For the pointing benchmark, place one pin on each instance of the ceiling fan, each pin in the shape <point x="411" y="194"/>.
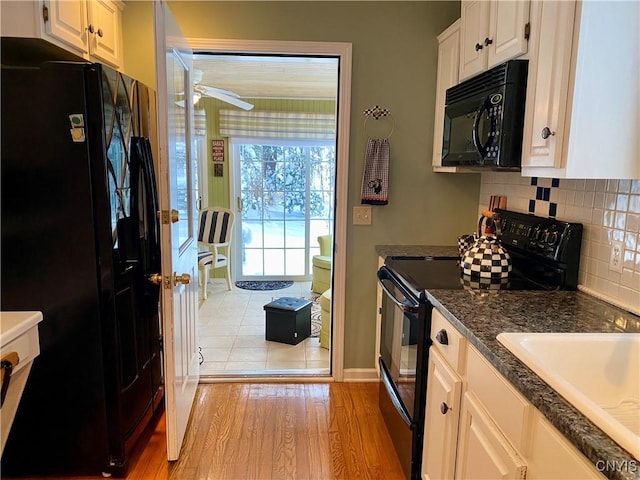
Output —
<point x="219" y="93"/>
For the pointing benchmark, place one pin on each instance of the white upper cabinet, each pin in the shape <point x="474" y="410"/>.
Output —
<point x="447" y="76"/>
<point x="67" y="21"/>
<point x="491" y="33"/>
<point x="105" y="43"/>
<point x="90" y="29"/>
<point x="583" y="110"/>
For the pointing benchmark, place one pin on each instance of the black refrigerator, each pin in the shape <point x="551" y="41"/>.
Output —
<point x="80" y="238"/>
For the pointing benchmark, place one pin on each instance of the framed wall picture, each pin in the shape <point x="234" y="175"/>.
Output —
<point x="217" y="150"/>
<point x="217" y="170"/>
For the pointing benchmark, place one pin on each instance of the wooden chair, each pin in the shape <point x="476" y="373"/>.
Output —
<point x="215" y="227"/>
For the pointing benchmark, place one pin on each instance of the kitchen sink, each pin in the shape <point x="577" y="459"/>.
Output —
<point x="598" y="373"/>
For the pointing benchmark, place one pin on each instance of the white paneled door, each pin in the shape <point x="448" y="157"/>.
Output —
<point x="178" y="205"/>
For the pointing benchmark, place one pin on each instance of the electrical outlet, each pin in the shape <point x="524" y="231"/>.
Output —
<point x="616" y="256"/>
<point x="362" y="215"/>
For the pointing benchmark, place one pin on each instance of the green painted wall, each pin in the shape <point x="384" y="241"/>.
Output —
<point x="394" y="66"/>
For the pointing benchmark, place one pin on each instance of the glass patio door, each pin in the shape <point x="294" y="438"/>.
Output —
<point x="285" y="200"/>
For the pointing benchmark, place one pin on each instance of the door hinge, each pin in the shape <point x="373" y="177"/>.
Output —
<point x="45" y="13"/>
<point x="527" y="31"/>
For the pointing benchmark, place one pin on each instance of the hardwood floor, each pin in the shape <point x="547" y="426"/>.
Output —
<point x="295" y="431"/>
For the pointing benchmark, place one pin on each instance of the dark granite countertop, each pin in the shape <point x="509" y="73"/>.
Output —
<point x="481" y="318"/>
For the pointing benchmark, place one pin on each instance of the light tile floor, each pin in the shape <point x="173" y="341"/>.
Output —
<point x="232" y="330"/>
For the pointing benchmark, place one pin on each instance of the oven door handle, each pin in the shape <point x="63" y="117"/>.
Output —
<point x="383" y="275"/>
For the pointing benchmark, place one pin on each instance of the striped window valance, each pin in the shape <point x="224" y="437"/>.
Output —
<point x="199" y="122"/>
<point x="310" y="126"/>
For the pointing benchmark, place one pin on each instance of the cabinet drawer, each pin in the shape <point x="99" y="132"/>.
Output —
<point x="510" y="411"/>
<point x="447" y="340"/>
<point x="27" y="347"/>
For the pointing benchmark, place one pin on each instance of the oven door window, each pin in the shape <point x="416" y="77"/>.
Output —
<point x="399" y="342"/>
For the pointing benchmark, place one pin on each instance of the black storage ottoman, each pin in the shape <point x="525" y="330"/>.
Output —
<point x="288" y="320"/>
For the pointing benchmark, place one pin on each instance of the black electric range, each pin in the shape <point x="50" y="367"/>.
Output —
<point x="545" y="256"/>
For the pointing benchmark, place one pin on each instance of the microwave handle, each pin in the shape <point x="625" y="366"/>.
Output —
<point x="481" y="148"/>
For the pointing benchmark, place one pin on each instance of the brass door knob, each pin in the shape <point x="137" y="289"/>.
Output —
<point x="184" y="279"/>
<point x="155" y="278"/>
<point x="174" y="215"/>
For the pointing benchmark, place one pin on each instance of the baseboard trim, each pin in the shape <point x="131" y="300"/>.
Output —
<point x="360" y="375"/>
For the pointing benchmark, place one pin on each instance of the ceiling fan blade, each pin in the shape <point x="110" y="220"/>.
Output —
<point x="224" y="95"/>
<point x="210" y="91"/>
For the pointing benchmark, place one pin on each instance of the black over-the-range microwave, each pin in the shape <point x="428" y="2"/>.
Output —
<point x="484" y="118"/>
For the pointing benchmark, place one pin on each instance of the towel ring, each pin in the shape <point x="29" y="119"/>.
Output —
<point x="376" y="113"/>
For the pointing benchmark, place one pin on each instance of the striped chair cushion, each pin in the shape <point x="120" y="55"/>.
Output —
<point x="214" y="227"/>
<point x="206" y="258"/>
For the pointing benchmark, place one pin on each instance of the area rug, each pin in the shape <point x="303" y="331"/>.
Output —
<point x="263" y="285"/>
<point x="316" y="322"/>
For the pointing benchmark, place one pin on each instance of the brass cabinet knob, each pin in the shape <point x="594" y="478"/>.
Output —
<point x="184" y="279"/>
<point x="155" y="278"/>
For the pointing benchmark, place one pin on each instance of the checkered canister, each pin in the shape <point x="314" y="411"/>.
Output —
<point x="487" y="260"/>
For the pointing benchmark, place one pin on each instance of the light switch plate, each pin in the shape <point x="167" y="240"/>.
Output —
<point x="362" y="215"/>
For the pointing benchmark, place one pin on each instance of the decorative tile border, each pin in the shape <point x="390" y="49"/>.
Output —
<point x="608" y="209"/>
<point x="543" y="194"/>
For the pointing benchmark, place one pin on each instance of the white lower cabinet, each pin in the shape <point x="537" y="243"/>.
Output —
<point x="483" y="452"/>
<point x="478" y="426"/>
<point x="442" y="412"/>
<point x="553" y="456"/>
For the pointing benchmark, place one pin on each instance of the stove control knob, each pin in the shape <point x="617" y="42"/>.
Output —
<point x="536" y="234"/>
<point x="553" y="238"/>
<point x="545" y="236"/>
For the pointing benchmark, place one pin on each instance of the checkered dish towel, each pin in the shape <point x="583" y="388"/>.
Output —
<point x="375" y="178"/>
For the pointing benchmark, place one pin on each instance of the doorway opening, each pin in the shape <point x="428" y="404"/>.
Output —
<point x="282" y="184"/>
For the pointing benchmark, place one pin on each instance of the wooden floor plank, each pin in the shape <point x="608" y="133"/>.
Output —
<point x="241" y="431"/>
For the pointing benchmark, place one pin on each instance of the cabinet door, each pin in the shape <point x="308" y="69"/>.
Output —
<point x="553" y="456"/>
<point x="474" y="18"/>
<point x="483" y="452"/>
<point x="548" y="83"/>
<point x="67" y="22"/>
<point x="507" y="23"/>
<point x="105" y="41"/>
<point x="444" y="388"/>
<point x="448" y="64"/>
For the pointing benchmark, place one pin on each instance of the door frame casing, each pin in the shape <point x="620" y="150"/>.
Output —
<point x="342" y="51"/>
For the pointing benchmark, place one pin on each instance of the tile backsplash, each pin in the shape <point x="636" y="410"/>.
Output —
<point x="609" y="211"/>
